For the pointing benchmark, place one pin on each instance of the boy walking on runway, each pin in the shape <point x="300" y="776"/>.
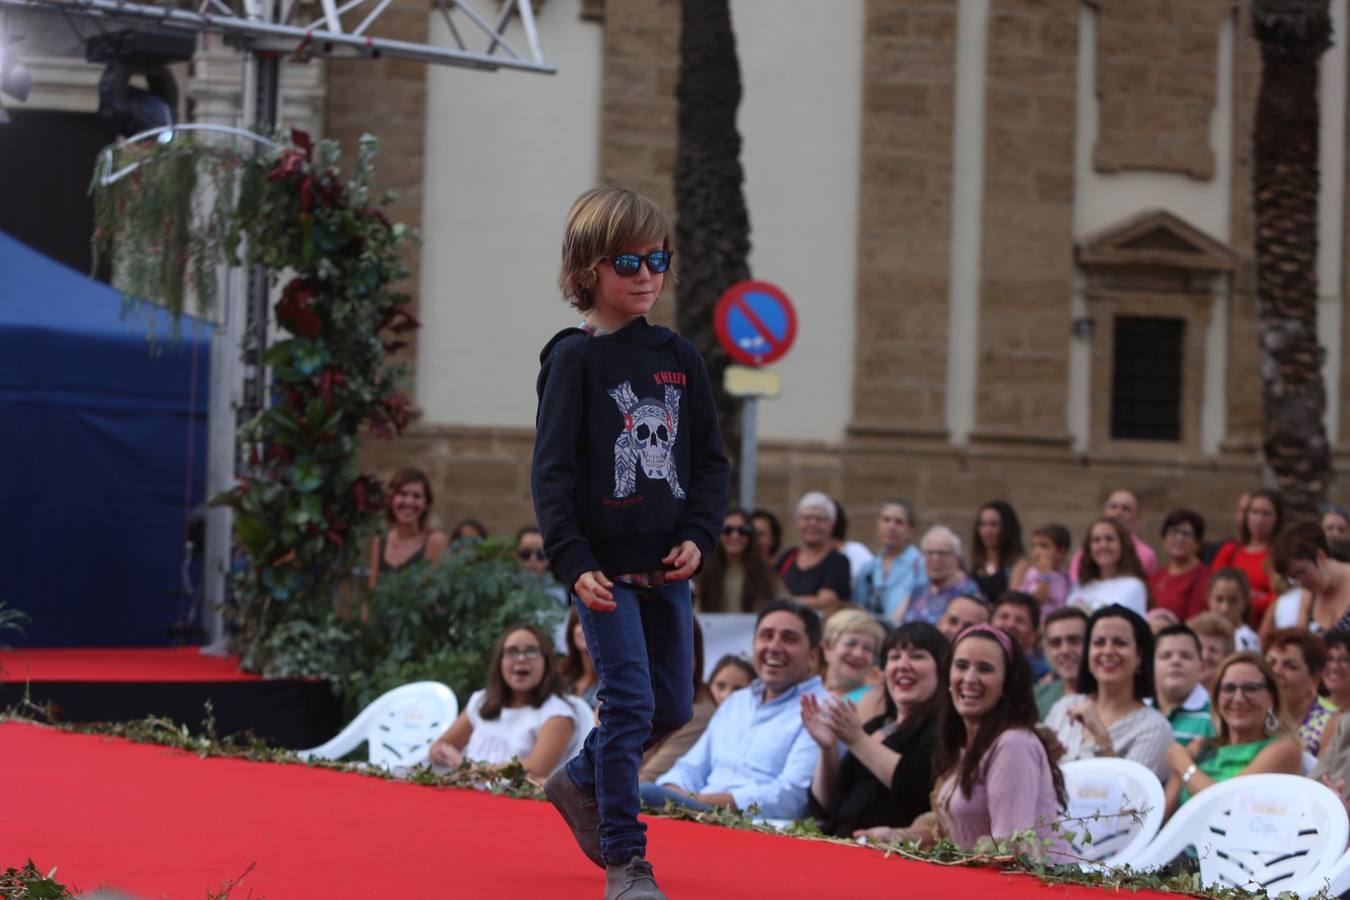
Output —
<point x="629" y="482"/>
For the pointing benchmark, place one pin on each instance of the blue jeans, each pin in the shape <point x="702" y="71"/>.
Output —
<point x="654" y="796"/>
<point x="643" y="651"/>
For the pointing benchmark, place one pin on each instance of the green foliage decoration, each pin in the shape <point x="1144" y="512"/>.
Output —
<point x="431" y="621"/>
<point x="28" y="883"/>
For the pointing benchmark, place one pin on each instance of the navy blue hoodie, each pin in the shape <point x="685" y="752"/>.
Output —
<point x="628" y="457"/>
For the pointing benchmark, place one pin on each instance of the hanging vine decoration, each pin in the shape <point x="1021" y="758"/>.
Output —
<point x="302" y="505"/>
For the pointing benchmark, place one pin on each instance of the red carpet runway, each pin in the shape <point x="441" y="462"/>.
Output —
<point x="162" y="823"/>
<point x="119" y="665"/>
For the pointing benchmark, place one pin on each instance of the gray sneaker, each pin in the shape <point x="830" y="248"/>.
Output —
<point x="579" y="810"/>
<point x="632" y="882"/>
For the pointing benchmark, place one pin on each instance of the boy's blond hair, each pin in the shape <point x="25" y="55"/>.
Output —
<point x="603" y="221"/>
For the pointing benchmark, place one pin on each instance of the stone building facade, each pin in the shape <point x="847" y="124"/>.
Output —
<point x="999" y="220"/>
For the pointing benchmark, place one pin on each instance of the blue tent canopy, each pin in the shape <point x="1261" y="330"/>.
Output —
<point x="96" y="419"/>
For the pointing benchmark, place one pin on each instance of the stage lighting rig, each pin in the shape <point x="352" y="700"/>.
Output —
<point x="144" y="51"/>
<point x="15" y="79"/>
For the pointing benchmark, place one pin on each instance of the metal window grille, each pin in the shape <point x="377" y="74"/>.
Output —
<point x="1146" y="379"/>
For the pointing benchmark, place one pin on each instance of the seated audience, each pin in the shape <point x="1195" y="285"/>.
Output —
<point x="1216" y="644"/>
<point x="995" y="777"/>
<point x="886" y="582"/>
<point x="815" y="574"/>
<point x="520" y="714"/>
<point x="530" y="552"/>
<point x="729" y="675"/>
<point x="1333" y="763"/>
<point x="1160" y="617"/>
<point x="407" y="537"/>
<point x="855" y="552"/>
<point x="756" y="751"/>
<point x="1303" y="555"/>
<point x="1261" y="524"/>
<point x="576" y="670"/>
<point x="1176" y="678"/>
<point x="1123" y="506"/>
<point x="1020" y="616"/>
<point x="1180" y="584"/>
<point x="1252" y="735"/>
<point x="768" y="532"/>
<point x="1045" y="578"/>
<point x="962" y="613"/>
<point x="885" y="777"/>
<point x="997" y="557"/>
<point x="947" y="579"/>
<point x="851" y="642"/>
<point x="1108" y="716"/>
<point x="1064" y="634"/>
<point x="1335" y="522"/>
<point x="1297" y="657"/>
<point x="736" y="577"/>
<point x="1109" y="573"/>
<point x="1336" y="671"/>
<point x="1212" y="548"/>
<point x="468" y="529"/>
<point x="658" y="759"/>
<point x="1230" y="596"/>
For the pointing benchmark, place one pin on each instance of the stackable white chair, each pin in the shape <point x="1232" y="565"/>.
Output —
<point x="398" y="727"/>
<point x="1335" y="881"/>
<point x="1309" y="815"/>
<point x="1119" y="834"/>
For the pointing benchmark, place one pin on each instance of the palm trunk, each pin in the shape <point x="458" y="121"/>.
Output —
<point x="712" y="234"/>
<point x="1293" y="35"/>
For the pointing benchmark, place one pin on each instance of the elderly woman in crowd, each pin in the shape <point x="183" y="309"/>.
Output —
<point x="736" y="577"/>
<point x="886" y="582"/>
<point x="998" y="559"/>
<point x="1297" y="657"/>
<point x="851" y="641"/>
<point x="1253" y="736"/>
<point x="1260" y="528"/>
<point x="995" y="777"/>
<point x="1180" y="584"/>
<point x="1110" y="573"/>
<point x="816" y="574"/>
<point x="1108" y="716"/>
<point x="884" y="780"/>
<point x="408" y="536"/>
<point x="947" y="579"/>
<point x="1336" y="671"/>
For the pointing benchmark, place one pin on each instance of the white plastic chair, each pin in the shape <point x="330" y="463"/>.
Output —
<point x="1335" y="881"/>
<point x="399" y="726"/>
<point x="1209" y="822"/>
<point x="1126" y="785"/>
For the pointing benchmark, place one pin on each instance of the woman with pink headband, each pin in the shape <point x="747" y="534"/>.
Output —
<point x="995" y="775"/>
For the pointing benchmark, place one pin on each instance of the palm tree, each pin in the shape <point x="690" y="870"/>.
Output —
<point x="1293" y="34"/>
<point x="712" y="232"/>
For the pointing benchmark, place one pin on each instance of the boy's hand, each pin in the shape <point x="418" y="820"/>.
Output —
<point x="683" y="561"/>
<point x="593" y="589"/>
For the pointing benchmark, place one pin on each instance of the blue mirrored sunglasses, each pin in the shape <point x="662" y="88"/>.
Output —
<point x="627" y="264"/>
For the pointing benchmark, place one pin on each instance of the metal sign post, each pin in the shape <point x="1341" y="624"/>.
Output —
<point x="756" y="324"/>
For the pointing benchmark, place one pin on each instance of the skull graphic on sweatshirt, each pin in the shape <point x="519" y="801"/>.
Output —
<point x="648" y="439"/>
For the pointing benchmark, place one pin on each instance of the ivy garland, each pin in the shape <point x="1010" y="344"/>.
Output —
<point x="301" y="507"/>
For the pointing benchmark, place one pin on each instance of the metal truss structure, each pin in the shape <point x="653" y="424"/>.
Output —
<point x="349" y="30"/>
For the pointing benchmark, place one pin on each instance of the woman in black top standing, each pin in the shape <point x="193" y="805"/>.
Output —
<point x="408" y="537"/>
<point x="815" y="574"/>
<point x="998" y="559"/>
<point x="886" y="778"/>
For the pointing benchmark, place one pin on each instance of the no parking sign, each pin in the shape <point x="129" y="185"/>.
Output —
<point x="755" y="322"/>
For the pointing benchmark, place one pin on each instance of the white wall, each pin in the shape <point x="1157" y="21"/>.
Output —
<point x="506" y="154"/>
<point x="800" y="118"/>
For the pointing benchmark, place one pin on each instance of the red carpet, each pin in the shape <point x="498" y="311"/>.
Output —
<point x="121" y="664"/>
<point x="161" y="823"/>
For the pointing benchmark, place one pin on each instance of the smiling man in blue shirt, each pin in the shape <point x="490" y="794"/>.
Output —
<point x="756" y="751"/>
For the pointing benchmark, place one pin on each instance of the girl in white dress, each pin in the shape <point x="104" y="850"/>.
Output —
<point x="520" y="714"/>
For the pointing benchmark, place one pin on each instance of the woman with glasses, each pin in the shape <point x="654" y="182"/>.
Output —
<point x="530" y="553"/>
<point x="519" y="714"/>
<point x="408" y="537"/>
<point x="1336" y="672"/>
<point x="850" y="643"/>
<point x="1180" y="585"/>
<point x="1253" y="736"/>
<point x="947" y="579"/>
<point x="736" y="577"/>
<point x="1303" y="555"/>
